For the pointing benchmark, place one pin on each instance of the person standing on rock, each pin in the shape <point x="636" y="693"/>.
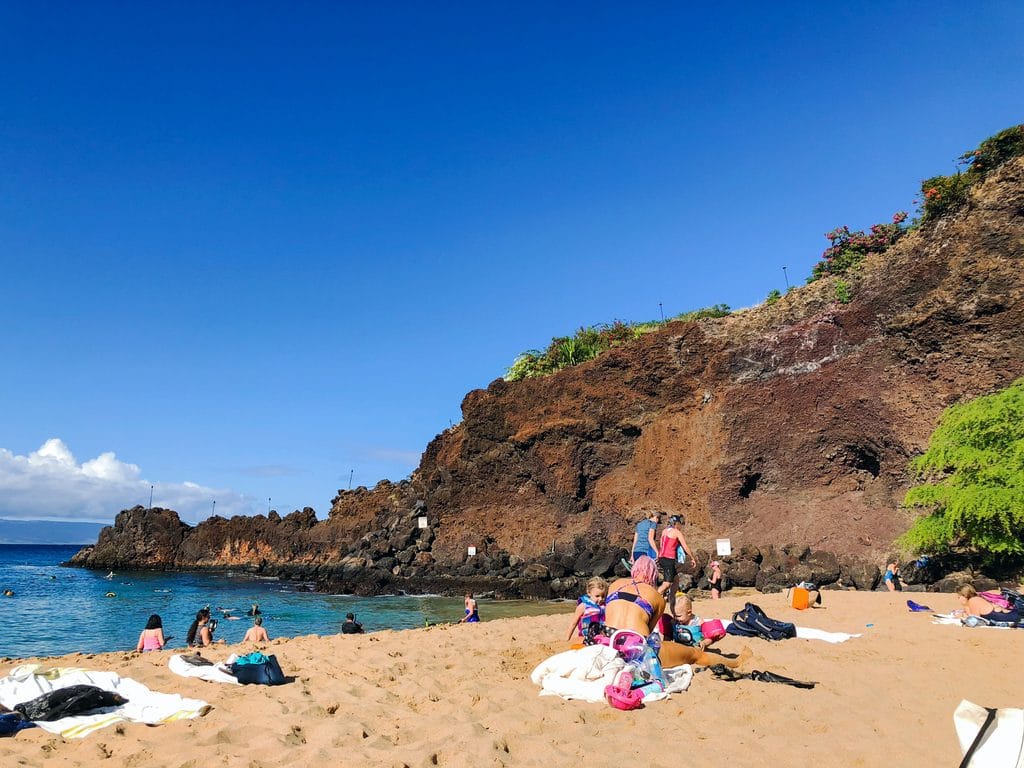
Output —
<point x="643" y="537"/>
<point x="672" y="540"/>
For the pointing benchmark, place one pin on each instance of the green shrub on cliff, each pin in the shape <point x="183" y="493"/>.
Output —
<point x="973" y="473"/>
<point x="588" y="343"/>
<point x="944" y="194"/>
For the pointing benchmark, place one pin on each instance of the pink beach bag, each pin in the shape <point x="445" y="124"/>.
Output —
<point x="713" y="629"/>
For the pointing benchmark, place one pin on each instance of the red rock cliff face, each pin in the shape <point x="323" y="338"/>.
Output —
<point x="785" y="423"/>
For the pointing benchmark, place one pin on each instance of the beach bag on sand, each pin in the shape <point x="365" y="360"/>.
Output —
<point x="257" y="669"/>
<point x="12" y="722"/>
<point x="989" y="738"/>
<point x="751" y="621"/>
<point x="69" y="701"/>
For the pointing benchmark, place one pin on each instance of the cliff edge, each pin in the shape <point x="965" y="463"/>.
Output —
<point x="789" y="422"/>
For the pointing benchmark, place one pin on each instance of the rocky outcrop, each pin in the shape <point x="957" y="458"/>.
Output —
<point x="790" y="422"/>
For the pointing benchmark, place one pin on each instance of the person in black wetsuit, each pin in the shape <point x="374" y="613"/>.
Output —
<point x="350" y="626"/>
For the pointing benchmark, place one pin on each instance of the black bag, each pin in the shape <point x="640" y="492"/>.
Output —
<point x="751" y="621"/>
<point x="1015" y="599"/>
<point x="68" y="702"/>
<point x="267" y="673"/>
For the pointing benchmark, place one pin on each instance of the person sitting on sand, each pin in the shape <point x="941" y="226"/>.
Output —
<point x="975" y="605"/>
<point x="892" y="577"/>
<point x="152" y="637"/>
<point x="635" y="604"/>
<point x="256" y="633"/>
<point x="472" y="614"/>
<point x="589" y="608"/>
<point x="350" y="626"/>
<point x="200" y="634"/>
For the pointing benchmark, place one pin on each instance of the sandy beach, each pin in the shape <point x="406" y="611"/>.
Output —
<point x="461" y="696"/>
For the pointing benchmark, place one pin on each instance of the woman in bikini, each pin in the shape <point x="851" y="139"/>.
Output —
<point x="635" y="604"/>
<point x="974" y="604"/>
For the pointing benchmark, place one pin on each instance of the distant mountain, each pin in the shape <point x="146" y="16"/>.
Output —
<point x="47" y="532"/>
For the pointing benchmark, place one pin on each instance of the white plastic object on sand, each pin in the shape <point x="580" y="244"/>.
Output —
<point x="1001" y="743"/>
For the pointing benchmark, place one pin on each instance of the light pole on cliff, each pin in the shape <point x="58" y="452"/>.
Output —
<point x="268" y="505"/>
<point x="785" y="276"/>
<point x="350" y="473"/>
<point x="151" y="497"/>
<point x="661" y="311"/>
<point x="213" y="512"/>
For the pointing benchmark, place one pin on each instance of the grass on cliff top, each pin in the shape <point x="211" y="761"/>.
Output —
<point x="588" y="343"/>
<point x="940" y="195"/>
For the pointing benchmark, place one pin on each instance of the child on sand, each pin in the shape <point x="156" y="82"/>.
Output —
<point x="715" y="580"/>
<point x="589" y="608"/>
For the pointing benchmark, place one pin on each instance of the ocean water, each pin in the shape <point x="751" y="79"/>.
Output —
<point x="58" y="610"/>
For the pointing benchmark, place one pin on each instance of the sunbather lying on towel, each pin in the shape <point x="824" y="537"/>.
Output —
<point x="972" y="604"/>
<point x="635" y="604"/>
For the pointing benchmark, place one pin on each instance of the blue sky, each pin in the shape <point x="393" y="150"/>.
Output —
<point x="255" y="248"/>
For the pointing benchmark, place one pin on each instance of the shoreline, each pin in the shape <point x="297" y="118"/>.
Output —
<point x="460" y="695"/>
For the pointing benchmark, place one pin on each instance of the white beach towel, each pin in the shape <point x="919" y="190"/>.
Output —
<point x="810" y="633"/>
<point x="1002" y="743"/>
<point x="583" y="673"/>
<point x="215" y="673"/>
<point x="28" y="681"/>
<point x="578" y="674"/>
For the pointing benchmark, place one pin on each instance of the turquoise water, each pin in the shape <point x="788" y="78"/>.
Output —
<point x="63" y="610"/>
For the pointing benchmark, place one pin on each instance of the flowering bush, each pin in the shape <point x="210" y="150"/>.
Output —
<point x="849" y="249"/>
<point x="942" y="194"/>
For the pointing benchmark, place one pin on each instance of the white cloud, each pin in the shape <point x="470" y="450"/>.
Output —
<point x="50" y="484"/>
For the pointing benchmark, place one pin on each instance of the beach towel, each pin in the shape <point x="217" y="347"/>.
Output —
<point x="989" y="738"/>
<point x="30" y="681"/>
<point x="583" y="675"/>
<point x="578" y="674"/>
<point x="810" y="633"/>
<point x="213" y="673"/>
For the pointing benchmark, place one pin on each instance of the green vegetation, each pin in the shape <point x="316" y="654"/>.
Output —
<point x="973" y="480"/>
<point x="944" y="194"/>
<point x="842" y="292"/>
<point x="773" y="296"/>
<point x="588" y="343"/>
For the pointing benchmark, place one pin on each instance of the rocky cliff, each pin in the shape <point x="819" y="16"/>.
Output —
<point x="785" y="423"/>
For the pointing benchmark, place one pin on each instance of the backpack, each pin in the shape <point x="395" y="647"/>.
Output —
<point x="1015" y="599"/>
<point x="751" y="621"/>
